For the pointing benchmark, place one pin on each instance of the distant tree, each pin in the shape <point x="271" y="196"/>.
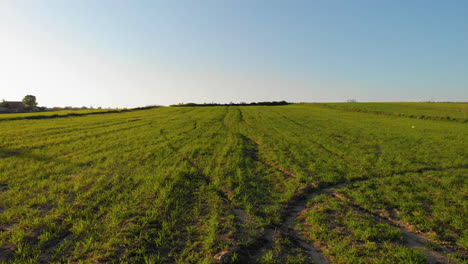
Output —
<point x="30" y="101"/>
<point x="351" y="101"/>
<point x="3" y="103"/>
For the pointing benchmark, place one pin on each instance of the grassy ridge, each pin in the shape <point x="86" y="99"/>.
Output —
<point x="183" y="184"/>
<point x="5" y="116"/>
<point x="436" y="111"/>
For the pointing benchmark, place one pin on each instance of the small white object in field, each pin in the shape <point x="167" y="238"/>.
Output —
<point x="412" y="126"/>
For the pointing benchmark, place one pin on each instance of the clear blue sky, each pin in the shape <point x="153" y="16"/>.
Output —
<point x="135" y="53"/>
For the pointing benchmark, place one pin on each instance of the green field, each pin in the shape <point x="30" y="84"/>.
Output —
<point x="302" y="183"/>
<point x="437" y="111"/>
<point x="4" y="116"/>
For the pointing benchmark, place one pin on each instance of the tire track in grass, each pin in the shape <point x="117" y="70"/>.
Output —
<point x="298" y="203"/>
<point x="286" y="227"/>
<point x="247" y="253"/>
<point x="345" y="160"/>
<point x="271" y="165"/>
<point x="64" y="235"/>
<point x="411" y="239"/>
<point x="225" y="255"/>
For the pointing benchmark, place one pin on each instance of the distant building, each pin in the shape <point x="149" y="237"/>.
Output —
<point x="13" y="107"/>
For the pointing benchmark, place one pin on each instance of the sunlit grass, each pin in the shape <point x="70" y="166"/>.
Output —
<point x="160" y="185"/>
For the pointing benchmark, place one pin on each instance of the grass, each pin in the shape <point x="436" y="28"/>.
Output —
<point x="433" y="202"/>
<point x="436" y="111"/>
<point x="348" y="235"/>
<point x="161" y="185"/>
<point x="54" y="113"/>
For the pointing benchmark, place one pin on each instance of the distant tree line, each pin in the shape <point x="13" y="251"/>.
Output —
<point x="272" y="103"/>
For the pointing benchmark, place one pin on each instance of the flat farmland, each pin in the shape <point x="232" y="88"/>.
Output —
<point x="427" y="110"/>
<point x="302" y="183"/>
<point x="54" y="114"/>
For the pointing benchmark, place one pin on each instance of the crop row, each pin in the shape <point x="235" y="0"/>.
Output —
<point x="187" y="184"/>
